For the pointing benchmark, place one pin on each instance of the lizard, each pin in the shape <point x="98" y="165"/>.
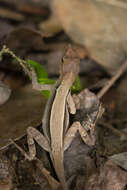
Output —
<point x="54" y="119"/>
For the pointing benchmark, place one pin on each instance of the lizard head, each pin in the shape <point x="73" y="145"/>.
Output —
<point x="70" y="63"/>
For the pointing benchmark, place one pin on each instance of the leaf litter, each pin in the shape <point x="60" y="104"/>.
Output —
<point x="102" y="166"/>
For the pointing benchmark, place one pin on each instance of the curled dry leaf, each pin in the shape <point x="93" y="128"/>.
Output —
<point x="87" y="105"/>
<point x="78" y="162"/>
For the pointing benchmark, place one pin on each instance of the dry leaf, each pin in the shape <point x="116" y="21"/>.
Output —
<point x="99" y="26"/>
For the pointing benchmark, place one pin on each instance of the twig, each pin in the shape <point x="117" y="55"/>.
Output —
<point x="6" y="13"/>
<point x="121" y="134"/>
<point x="112" y="80"/>
<point x="22" y="62"/>
<point x="118" y="120"/>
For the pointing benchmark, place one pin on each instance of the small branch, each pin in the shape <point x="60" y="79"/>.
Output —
<point x="112" y="80"/>
<point x="115" y="121"/>
<point x="6" y="13"/>
<point x="22" y="62"/>
<point x="117" y="132"/>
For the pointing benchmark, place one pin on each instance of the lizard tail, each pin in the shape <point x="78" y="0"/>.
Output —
<point x="59" y="168"/>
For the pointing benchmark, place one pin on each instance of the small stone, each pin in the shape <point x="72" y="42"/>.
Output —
<point x="5" y="93"/>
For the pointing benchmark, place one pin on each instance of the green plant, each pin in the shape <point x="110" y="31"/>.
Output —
<point x="42" y="74"/>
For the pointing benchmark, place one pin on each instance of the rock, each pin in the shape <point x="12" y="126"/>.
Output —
<point x="5" y="93"/>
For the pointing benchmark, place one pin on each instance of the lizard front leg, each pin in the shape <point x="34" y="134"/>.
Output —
<point x="89" y="110"/>
<point x="71" y="104"/>
<point x="38" y="86"/>
<point x="77" y="127"/>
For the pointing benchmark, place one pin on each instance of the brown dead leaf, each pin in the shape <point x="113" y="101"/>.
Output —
<point x="22" y="40"/>
<point x="110" y="176"/>
<point x="99" y="26"/>
<point x="78" y="162"/>
<point x="120" y="159"/>
<point x="23" y="109"/>
<point x="5" y="28"/>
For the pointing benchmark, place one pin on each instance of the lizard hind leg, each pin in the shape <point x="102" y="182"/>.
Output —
<point x="34" y="134"/>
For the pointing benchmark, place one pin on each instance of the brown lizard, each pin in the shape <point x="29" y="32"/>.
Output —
<point x="54" y="119"/>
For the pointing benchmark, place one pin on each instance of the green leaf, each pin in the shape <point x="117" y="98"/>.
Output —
<point x="42" y="76"/>
<point x="40" y="70"/>
<point x="46" y="93"/>
<point x="77" y="86"/>
<point x="46" y="81"/>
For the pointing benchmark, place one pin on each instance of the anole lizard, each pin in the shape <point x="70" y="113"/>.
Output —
<point x="53" y="122"/>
